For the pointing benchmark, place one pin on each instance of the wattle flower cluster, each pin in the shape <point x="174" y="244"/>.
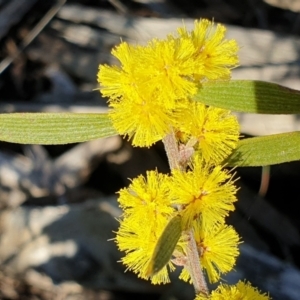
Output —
<point x="150" y="203"/>
<point x="151" y="91"/>
<point x="151" y="96"/>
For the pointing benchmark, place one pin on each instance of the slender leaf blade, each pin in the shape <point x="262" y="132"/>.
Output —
<point x="250" y="96"/>
<point x="165" y="245"/>
<point x="266" y="150"/>
<point x="54" y="128"/>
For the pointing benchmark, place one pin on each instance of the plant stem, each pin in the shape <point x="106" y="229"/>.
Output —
<point x="194" y="266"/>
<point x="193" y="261"/>
<point x="172" y="150"/>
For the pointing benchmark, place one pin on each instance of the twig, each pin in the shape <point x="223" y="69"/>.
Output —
<point x="32" y="35"/>
<point x="193" y="261"/>
<point x="119" y="6"/>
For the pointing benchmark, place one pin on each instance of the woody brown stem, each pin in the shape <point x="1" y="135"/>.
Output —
<point x="172" y="150"/>
<point x="193" y="261"/>
<point x="194" y="266"/>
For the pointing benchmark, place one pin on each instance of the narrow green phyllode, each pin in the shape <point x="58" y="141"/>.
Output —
<point x="266" y="150"/>
<point x="54" y="128"/>
<point x="250" y="96"/>
<point x="165" y="246"/>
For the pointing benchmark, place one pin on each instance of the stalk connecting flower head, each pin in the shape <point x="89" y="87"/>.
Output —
<point x="155" y="80"/>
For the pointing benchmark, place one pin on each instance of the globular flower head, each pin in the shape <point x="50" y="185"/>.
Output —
<point x="215" y="131"/>
<point x="119" y="82"/>
<point x="170" y="66"/>
<point x="138" y="239"/>
<point x="215" y="55"/>
<point x="142" y="120"/>
<point x="205" y="192"/>
<point x="148" y="87"/>
<point x="147" y="211"/>
<point x="218" y="250"/>
<point x="147" y="197"/>
<point x="242" y="290"/>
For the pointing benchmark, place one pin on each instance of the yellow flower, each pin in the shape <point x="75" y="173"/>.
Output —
<point x="143" y="94"/>
<point x="241" y="290"/>
<point x="143" y="120"/>
<point x="118" y="82"/>
<point x="204" y="192"/>
<point x="170" y="66"/>
<point x="147" y="197"/>
<point x="152" y="80"/>
<point x="214" y="131"/>
<point x="138" y="239"/>
<point x="147" y="211"/>
<point x="216" y="55"/>
<point x="162" y="68"/>
<point x="218" y="250"/>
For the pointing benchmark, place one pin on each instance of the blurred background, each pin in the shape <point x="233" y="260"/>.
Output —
<point x="58" y="204"/>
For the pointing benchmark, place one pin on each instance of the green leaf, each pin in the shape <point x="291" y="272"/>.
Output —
<point x="250" y="96"/>
<point x="266" y="150"/>
<point x="54" y="128"/>
<point x="165" y="246"/>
